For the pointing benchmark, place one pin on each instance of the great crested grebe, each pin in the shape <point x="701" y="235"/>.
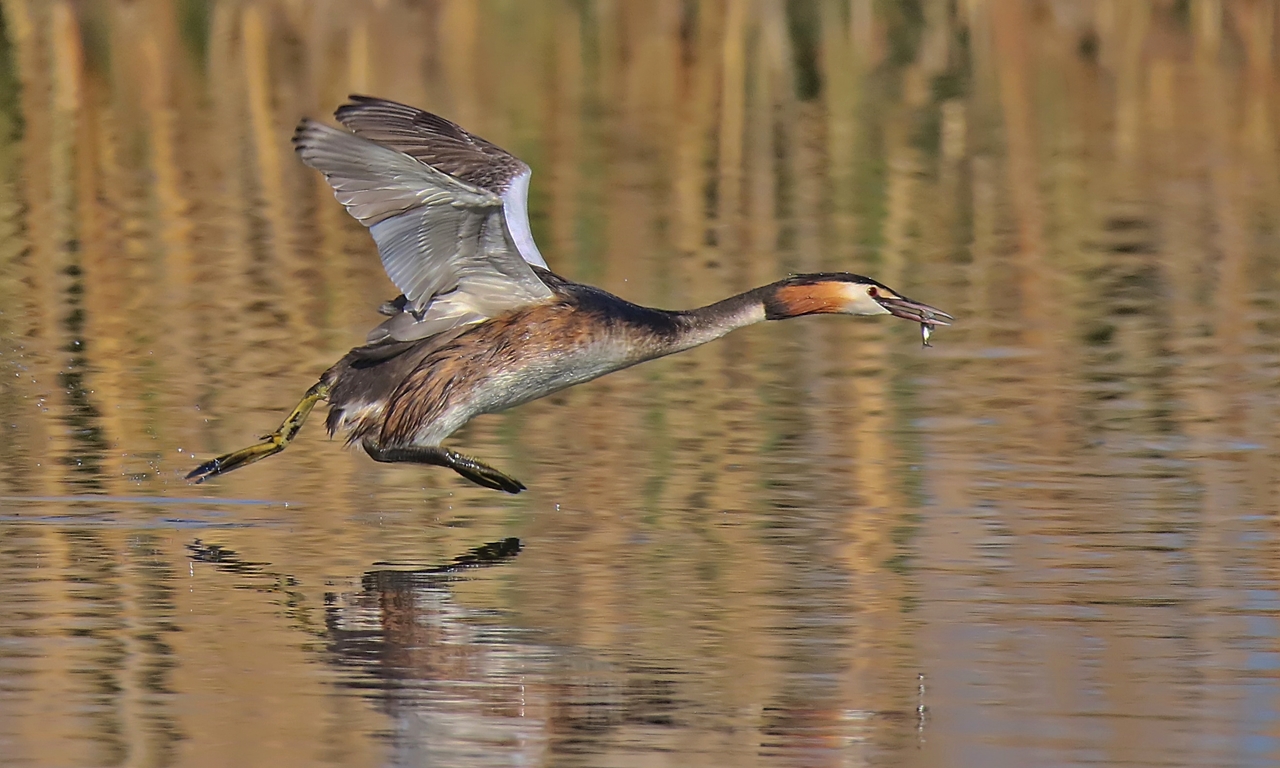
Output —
<point x="482" y="325"/>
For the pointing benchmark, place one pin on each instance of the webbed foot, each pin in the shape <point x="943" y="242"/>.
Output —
<point x="476" y="471"/>
<point x="271" y="444"/>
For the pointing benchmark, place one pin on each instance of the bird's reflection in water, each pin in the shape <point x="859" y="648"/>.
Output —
<point x="453" y="679"/>
<point x="461" y="685"/>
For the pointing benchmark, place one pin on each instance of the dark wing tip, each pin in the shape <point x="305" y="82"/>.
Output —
<point x="305" y="135"/>
<point x="357" y="101"/>
<point x="300" y="130"/>
<point x="364" y="113"/>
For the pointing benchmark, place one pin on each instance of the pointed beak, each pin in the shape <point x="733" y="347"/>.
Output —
<point x="914" y="311"/>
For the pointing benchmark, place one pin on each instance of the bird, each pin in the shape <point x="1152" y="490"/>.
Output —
<point x="481" y="323"/>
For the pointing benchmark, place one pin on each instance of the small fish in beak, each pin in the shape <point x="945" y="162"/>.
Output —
<point x="928" y="317"/>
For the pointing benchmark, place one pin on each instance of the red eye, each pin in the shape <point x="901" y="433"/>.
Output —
<point x="872" y="292"/>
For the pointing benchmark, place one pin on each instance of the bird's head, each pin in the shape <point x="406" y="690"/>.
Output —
<point x="846" y="294"/>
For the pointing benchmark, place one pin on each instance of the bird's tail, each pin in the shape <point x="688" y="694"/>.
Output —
<point x="271" y="444"/>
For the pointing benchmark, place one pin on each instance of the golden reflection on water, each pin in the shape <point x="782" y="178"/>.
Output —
<point x="1061" y="515"/>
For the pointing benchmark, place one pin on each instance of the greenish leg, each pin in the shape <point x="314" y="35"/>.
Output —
<point x="475" y="471"/>
<point x="271" y="444"/>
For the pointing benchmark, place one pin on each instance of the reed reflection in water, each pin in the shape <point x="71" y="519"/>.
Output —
<point x="1062" y="515"/>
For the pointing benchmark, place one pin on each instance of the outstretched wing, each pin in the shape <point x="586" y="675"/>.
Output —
<point x="445" y="146"/>
<point x="443" y="241"/>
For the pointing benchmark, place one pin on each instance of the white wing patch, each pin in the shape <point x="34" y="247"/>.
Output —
<point x="515" y="205"/>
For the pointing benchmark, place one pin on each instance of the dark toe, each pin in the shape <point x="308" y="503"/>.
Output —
<point x="491" y="478"/>
<point x="500" y="482"/>
<point x="205" y="471"/>
<point x="511" y="485"/>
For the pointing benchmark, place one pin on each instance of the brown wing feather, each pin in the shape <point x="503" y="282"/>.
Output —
<point x="433" y="140"/>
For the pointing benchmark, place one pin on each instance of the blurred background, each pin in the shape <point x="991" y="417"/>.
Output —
<point x="1048" y="540"/>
